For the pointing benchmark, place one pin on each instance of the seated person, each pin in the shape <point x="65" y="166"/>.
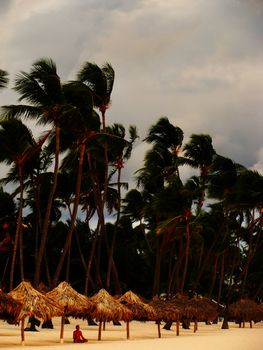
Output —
<point x="78" y="337"/>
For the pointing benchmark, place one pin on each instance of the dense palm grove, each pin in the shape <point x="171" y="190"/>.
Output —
<point x="70" y="217"/>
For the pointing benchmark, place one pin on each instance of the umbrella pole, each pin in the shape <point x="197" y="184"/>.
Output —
<point x="99" y="334"/>
<point x="159" y="329"/>
<point x="23" y="331"/>
<point x="177" y="327"/>
<point x="195" y="326"/>
<point x="128" y="329"/>
<point x="62" y="329"/>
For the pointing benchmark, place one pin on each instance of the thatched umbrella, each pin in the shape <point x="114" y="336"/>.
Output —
<point x="109" y="309"/>
<point x="73" y="303"/>
<point x="34" y="304"/>
<point x="245" y="310"/>
<point x="203" y="310"/>
<point x="165" y="311"/>
<point x="191" y="309"/>
<point x="140" y="310"/>
<point x="9" y="307"/>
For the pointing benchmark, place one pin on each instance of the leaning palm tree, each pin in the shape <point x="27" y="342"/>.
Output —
<point x="199" y="153"/>
<point x="78" y="131"/>
<point x="100" y="80"/>
<point x="120" y="152"/>
<point x="42" y="90"/>
<point x="17" y="146"/>
<point x="169" y="137"/>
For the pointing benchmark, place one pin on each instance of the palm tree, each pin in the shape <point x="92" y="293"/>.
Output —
<point x="18" y="147"/>
<point x="170" y="137"/>
<point x="42" y="89"/>
<point x="247" y="199"/>
<point x="199" y="152"/>
<point x="160" y="178"/>
<point x="100" y="80"/>
<point x="84" y="126"/>
<point x="120" y="153"/>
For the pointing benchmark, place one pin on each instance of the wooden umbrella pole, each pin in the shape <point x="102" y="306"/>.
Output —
<point x="159" y="329"/>
<point x="195" y="326"/>
<point x="128" y="329"/>
<point x="62" y="329"/>
<point x="99" y="334"/>
<point x="177" y="327"/>
<point x="23" y="331"/>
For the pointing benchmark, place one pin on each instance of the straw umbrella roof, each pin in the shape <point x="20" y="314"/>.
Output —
<point x="34" y="303"/>
<point x="246" y="310"/>
<point x="140" y="310"/>
<point x="109" y="309"/>
<point x="73" y="303"/>
<point x="189" y="308"/>
<point x="165" y="310"/>
<point x="208" y="307"/>
<point x="9" y="307"/>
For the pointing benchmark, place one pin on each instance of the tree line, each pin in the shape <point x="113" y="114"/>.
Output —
<point x="201" y="235"/>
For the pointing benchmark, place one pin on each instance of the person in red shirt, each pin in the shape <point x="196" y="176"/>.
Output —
<point x="78" y="336"/>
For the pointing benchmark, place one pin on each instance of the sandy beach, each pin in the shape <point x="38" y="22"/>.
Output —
<point x="143" y="336"/>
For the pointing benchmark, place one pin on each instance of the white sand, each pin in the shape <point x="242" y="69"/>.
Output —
<point x="143" y="336"/>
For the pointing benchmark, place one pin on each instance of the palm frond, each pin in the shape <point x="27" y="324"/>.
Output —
<point x="17" y="111"/>
<point x="3" y="78"/>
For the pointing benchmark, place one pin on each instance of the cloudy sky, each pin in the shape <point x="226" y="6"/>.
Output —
<point x="197" y="62"/>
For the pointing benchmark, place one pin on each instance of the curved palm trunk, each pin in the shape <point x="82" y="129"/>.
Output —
<point x="205" y="260"/>
<point x="222" y="275"/>
<point x="73" y="217"/>
<point x="213" y="277"/>
<point x="187" y="250"/>
<point x="175" y="283"/>
<point x="157" y="270"/>
<point x="110" y="261"/>
<point x="48" y="212"/>
<point x="85" y="266"/>
<point x="18" y="235"/>
<point x="91" y="257"/>
<point x="100" y="204"/>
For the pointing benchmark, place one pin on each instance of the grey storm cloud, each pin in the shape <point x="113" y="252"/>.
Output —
<point x="198" y="62"/>
<point x="4" y="5"/>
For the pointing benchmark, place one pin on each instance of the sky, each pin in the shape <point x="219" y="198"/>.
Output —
<point x="197" y="62"/>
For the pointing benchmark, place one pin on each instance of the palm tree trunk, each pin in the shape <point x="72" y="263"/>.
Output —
<point x="157" y="271"/>
<point x="91" y="257"/>
<point x="48" y="212"/>
<point x="222" y="276"/>
<point x="73" y="217"/>
<point x="110" y="260"/>
<point x="201" y="269"/>
<point x="83" y="260"/>
<point x="176" y="278"/>
<point x="187" y="250"/>
<point x="17" y="236"/>
<point x="214" y="277"/>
